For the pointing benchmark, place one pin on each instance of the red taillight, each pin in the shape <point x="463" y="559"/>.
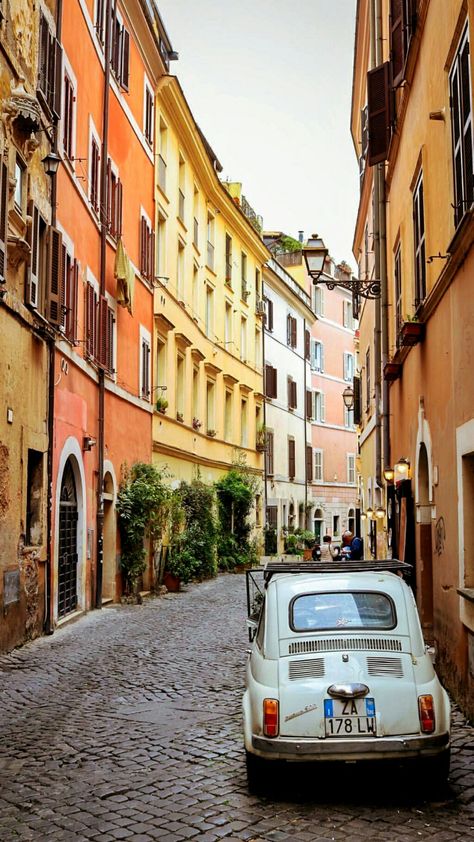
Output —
<point x="427" y="714"/>
<point x="270" y="717"/>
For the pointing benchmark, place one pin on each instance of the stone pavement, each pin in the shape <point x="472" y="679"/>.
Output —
<point x="126" y="725"/>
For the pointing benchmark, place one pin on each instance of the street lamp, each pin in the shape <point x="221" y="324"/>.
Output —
<point x="380" y="512"/>
<point x="389" y="474"/>
<point x="348" y="397"/>
<point x="315" y="254"/>
<point x="401" y="469"/>
<point x="51" y="163"/>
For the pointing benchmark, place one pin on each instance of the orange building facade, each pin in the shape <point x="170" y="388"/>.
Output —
<point x="104" y="241"/>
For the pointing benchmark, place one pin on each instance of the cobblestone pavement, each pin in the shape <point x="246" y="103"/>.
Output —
<point x="126" y="725"/>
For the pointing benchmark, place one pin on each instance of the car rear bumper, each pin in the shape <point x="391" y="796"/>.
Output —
<point x="375" y="748"/>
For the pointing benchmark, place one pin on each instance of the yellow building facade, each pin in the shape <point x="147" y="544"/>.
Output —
<point x="207" y="343"/>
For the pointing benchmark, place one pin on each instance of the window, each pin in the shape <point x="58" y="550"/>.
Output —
<point x="317" y="355"/>
<point x="291" y="331"/>
<point x="180" y="380"/>
<point x="292" y="394"/>
<point x="319" y="406"/>
<point x="49" y="69"/>
<point x="318" y="466"/>
<point x="309" y="463"/>
<point x="243" y="423"/>
<point x="228" y="415"/>
<point x="309" y="404"/>
<point x="348" y="367"/>
<point x="34" y="499"/>
<point x="335" y="524"/>
<point x="161" y="378"/>
<point x="163" y="140"/>
<point x="269" y="314"/>
<point x="397" y="272"/>
<point x="19" y="185"/>
<point x="161" y="246"/>
<point x="180" y="272"/>
<point x="148" y="107"/>
<point x="99" y="327"/>
<point x="145" y="351"/>
<point x="402" y="27"/>
<point x="269" y="453"/>
<point x="272" y="517"/>
<point x="147" y="249"/>
<point x="317" y="611"/>
<point x="69" y="100"/>
<point x="243" y="339"/>
<point x="181" y="186"/>
<point x="347" y="319"/>
<point x="94" y="175"/>
<point x="367" y="379"/>
<point x="461" y="124"/>
<point x="91" y="307"/>
<point x="71" y="285"/>
<point x="258" y="290"/>
<point x="209" y="311"/>
<point x="243" y="263"/>
<point x="196" y="217"/>
<point x="258" y="348"/>
<point x="114" y="202"/>
<point x="195" y="293"/>
<point x="120" y="52"/>
<point x="195" y="393"/>
<point x="351" y="476"/>
<point x="419" y="241"/>
<point x="210" y="241"/>
<point x="291" y="459"/>
<point x="99" y="20"/>
<point x="210" y="405"/>
<point x="228" y="325"/>
<point x="270" y="381"/>
<point x="318" y="300"/>
<point x="45" y="276"/>
<point x="228" y="260"/>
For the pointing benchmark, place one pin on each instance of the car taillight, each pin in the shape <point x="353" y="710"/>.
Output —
<point x="270" y="717"/>
<point x="427" y="714"/>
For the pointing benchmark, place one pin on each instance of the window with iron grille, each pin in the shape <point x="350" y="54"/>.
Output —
<point x="269" y="453"/>
<point x="419" y="241"/>
<point x="49" y="69"/>
<point x="95" y="175"/>
<point x="69" y="100"/>
<point x="147" y="249"/>
<point x="461" y="124"/>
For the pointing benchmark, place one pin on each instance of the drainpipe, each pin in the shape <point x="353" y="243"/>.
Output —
<point x="379" y="250"/>
<point x="305" y="432"/>
<point x="265" y="496"/>
<point x="103" y="268"/>
<point x="51" y="343"/>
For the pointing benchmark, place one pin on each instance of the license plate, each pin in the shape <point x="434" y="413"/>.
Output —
<point x="349" y="718"/>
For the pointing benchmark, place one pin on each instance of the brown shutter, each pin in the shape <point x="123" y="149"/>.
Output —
<point x="55" y="278"/>
<point x="118" y="209"/>
<point x="307" y="344"/>
<point x="269" y="454"/>
<point x="43" y="56"/>
<point x="357" y="400"/>
<point x="270" y="314"/>
<point x="143" y="227"/>
<point x="289" y="393"/>
<point x="72" y="290"/>
<point x="110" y="340"/>
<point x="397" y="40"/>
<point x="379" y="113"/>
<point x="270" y="381"/>
<point x="309" y="463"/>
<point x="288" y="330"/>
<point x="102" y="343"/>
<point x="32" y="297"/>
<point x="108" y="202"/>
<point x="125" y="62"/>
<point x="309" y="404"/>
<point x="58" y="78"/>
<point x="90" y="320"/>
<point x="294" y="401"/>
<point x="293" y="333"/>
<point x="291" y="458"/>
<point x="3" y="221"/>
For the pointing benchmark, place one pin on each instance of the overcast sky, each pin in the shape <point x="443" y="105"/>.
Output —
<point x="269" y="83"/>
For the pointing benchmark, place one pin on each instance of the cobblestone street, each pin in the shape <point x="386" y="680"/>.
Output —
<point x="126" y="725"/>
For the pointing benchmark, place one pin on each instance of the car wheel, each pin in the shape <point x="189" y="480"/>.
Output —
<point x="257" y="778"/>
<point x="438" y="767"/>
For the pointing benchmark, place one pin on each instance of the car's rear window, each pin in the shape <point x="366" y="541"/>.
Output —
<point x="342" y="610"/>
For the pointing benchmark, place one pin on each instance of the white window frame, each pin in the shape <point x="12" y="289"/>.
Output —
<point x="319" y="406"/>
<point x="348" y="367"/>
<point x="351" y="468"/>
<point x="93" y="135"/>
<point x="318" y="300"/>
<point x="145" y="337"/>
<point x="318" y="474"/>
<point x="67" y="68"/>
<point x="347" y="317"/>
<point x="147" y="87"/>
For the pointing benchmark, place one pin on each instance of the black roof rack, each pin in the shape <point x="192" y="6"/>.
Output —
<point x="340" y="566"/>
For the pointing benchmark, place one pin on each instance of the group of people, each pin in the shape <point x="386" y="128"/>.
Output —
<point x="352" y="548"/>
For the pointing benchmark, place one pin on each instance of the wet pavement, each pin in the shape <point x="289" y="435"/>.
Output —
<point x="126" y="724"/>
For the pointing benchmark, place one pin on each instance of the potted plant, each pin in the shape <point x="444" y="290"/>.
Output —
<point x="196" y="424"/>
<point x="261" y="438"/>
<point x="211" y="433"/>
<point x="309" y="540"/>
<point x="411" y="331"/>
<point x="179" y="416"/>
<point x="161" y="404"/>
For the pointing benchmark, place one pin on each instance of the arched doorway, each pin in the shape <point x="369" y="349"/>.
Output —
<point x="424" y="545"/>
<point x="67" y="555"/>
<point x="318" y="525"/>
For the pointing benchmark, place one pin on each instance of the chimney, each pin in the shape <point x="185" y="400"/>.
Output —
<point x="301" y="236"/>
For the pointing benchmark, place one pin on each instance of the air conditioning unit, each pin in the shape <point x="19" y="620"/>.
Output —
<point x="260" y="307"/>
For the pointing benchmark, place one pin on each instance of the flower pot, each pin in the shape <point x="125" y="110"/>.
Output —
<point x="411" y="333"/>
<point x="392" y="371"/>
<point x="307" y="554"/>
<point x="172" y="582"/>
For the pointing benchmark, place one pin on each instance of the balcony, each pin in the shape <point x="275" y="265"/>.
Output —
<point x="161" y="173"/>
<point x="210" y="255"/>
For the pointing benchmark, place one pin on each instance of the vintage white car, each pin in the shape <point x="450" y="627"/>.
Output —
<point x="338" y="670"/>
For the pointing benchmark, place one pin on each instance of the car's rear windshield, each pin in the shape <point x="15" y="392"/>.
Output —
<point x="342" y="610"/>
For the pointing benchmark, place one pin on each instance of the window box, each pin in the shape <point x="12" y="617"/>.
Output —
<point x="411" y="333"/>
<point x="392" y="371"/>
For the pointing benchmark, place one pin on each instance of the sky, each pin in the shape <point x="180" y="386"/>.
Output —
<point x="269" y="83"/>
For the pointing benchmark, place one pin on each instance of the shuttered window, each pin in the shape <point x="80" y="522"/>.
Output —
<point x="49" y="69"/>
<point x="99" y="20"/>
<point x="379" y="96"/>
<point x="291" y="459"/>
<point x="55" y="281"/>
<point x="3" y="220"/>
<point x="348" y="367"/>
<point x="351" y="477"/>
<point x="317" y="355"/>
<point x="272" y="517"/>
<point x="319" y="409"/>
<point x="145" y="368"/>
<point x="357" y="400"/>
<point x="367" y="379"/>
<point x="270" y="381"/>
<point x="114" y="202"/>
<point x="147" y="250"/>
<point x="148" y="127"/>
<point x="397" y="273"/>
<point x="307" y="345"/>
<point x="402" y="26"/>
<point x="318" y="300"/>
<point x="318" y="466"/>
<point x="95" y="175"/>
<point x="309" y="403"/>
<point x="419" y="241"/>
<point x="68" y="117"/>
<point x="269" y="314"/>
<point x="91" y="321"/>
<point x="35" y="261"/>
<point x="309" y="463"/>
<point x="462" y="134"/>
<point x="291" y="331"/>
<point x="71" y="286"/>
<point x="292" y="399"/>
<point x="120" y="53"/>
<point x="269" y="462"/>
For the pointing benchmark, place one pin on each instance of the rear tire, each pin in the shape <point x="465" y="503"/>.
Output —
<point x="257" y="777"/>
<point x="438" y="767"/>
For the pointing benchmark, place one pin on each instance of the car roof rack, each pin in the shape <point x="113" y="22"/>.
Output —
<point x="340" y="566"/>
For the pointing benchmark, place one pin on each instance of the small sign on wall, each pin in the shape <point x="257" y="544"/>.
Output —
<point x="11" y="587"/>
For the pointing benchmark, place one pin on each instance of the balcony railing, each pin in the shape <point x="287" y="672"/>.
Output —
<point x="181" y="205"/>
<point x="210" y="255"/>
<point x="196" y="232"/>
<point x="161" y="173"/>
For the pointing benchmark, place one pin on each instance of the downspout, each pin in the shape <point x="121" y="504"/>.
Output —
<point x="103" y="267"/>
<point x="265" y="497"/>
<point x="379" y="247"/>
<point x="305" y="431"/>
<point x="48" y="617"/>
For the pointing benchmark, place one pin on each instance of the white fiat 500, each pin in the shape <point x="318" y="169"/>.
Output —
<point x="338" y="670"/>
